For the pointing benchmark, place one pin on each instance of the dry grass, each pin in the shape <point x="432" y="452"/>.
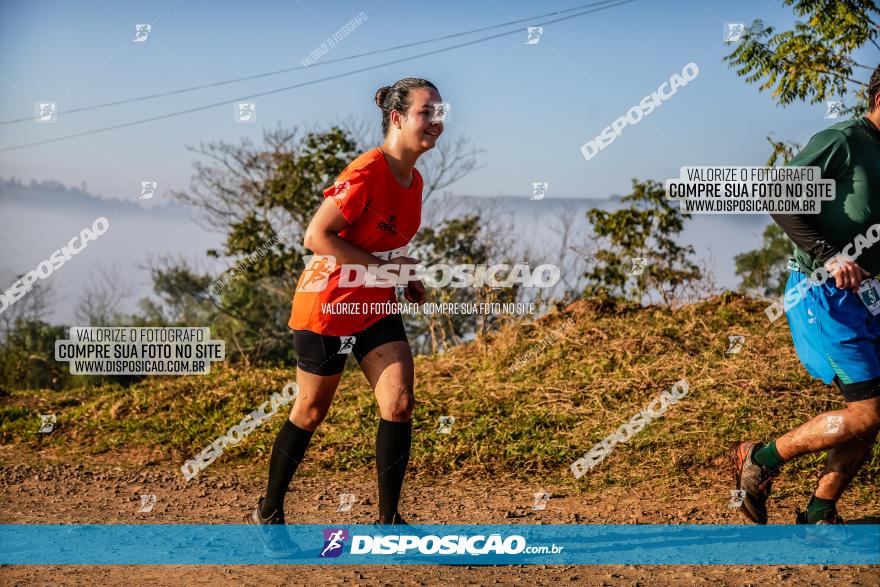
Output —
<point x="526" y="423"/>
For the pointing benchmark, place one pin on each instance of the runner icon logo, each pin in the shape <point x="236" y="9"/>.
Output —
<point x="346" y="500"/>
<point x="47" y="423"/>
<point x="736" y="343"/>
<point x="141" y="32"/>
<point x="539" y="189"/>
<point x="340" y="189"/>
<point x="148" y="189"/>
<point x="445" y="426"/>
<point x="639" y="264"/>
<point x="317" y="272"/>
<point x="736" y="498"/>
<point x="439" y="110"/>
<point x="346" y="343"/>
<point x="833" y="109"/>
<point x="334" y="541"/>
<point x="833" y="424"/>
<point x="541" y="499"/>
<point x="734" y="31"/>
<point x="246" y="112"/>
<point x="535" y="33"/>
<point x="147" y="503"/>
<point x="46" y="112"/>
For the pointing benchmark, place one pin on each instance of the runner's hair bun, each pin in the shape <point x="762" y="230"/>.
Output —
<point x="381" y="94"/>
<point x="396" y="97"/>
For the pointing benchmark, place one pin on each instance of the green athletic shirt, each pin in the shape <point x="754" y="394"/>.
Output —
<point x="849" y="153"/>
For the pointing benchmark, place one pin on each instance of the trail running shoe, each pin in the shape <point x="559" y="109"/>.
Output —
<point x="396" y="520"/>
<point x="272" y="532"/>
<point x="826" y="538"/>
<point x="754" y="479"/>
<point x="831" y="517"/>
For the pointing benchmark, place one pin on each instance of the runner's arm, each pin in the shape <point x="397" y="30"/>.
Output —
<point x="802" y="230"/>
<point x="322" y="237"/>
<point x="829" y="151"/>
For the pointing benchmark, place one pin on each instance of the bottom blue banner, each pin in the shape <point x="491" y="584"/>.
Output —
<point x="184" y="544"/>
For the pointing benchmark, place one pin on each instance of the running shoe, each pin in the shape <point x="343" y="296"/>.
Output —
<point x="831" y="517"/>
<point x="396" y="520"/>
<point x="272" y="531"/>
<point x="755" y="480"/>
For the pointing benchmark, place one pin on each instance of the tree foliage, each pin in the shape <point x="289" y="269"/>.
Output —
<point x="814" y="61"/>
<point x="646" y="229"/>
<point x="811" y="63"/>
<point x="763" y="271"/>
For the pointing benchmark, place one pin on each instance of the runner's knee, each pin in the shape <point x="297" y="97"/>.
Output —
<point x="399" y="402"/>
<point x="309" y="416"/>
<point x="866" y="414"/>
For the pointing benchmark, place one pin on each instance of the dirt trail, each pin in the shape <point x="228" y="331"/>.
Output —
<point x="104" y="493"/>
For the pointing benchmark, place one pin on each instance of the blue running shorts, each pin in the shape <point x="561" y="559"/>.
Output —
<point x="836" y="338"/>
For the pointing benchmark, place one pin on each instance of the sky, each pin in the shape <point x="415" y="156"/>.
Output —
<point x="530" y="107"/>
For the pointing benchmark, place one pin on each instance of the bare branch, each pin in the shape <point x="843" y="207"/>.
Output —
<point x="101" y="298"/>
<point x="447" y="163"/>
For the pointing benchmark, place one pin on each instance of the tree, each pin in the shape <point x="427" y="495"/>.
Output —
<point x="639" y="256"/>
<point x="813" y="62"/>
<point x="458" y="240"/>
<point x="763" y="271"/>
<point x="27" y="356"/>
<point x="27" y="343"/>
<point x="101" y="299"/>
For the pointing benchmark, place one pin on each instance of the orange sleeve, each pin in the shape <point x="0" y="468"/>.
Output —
<point x="350" y="195"/>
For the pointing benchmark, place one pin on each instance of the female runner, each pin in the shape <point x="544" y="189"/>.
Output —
<point x="367" y="218"/>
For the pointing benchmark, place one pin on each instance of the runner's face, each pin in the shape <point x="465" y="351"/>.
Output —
<point x="417" y="129"/>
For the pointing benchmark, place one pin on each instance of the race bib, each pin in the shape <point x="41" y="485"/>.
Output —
<point x="386" y="255"/>
<point x="869" y="293"/>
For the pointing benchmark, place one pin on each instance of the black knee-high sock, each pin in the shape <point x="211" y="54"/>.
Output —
<point x="287" y="452"/>
<point x="393" y="441"/>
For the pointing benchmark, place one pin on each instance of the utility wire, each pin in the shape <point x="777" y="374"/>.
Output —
<point x="302" y="84"/>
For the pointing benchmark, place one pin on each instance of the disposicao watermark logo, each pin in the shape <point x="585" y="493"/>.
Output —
<point x="635" y="114"/>
<point x="56" y="260"/>
<point x="237" y="433"/>
<point x="626" y="431"/>
<point x="432" y="544"/>
<point x="819" y="276"/>
<point x="320" y="268"/>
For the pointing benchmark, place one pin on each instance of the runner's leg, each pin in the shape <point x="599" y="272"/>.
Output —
<point x="309" y="410"/>
<point x="842" y="465"/>
<point x="319" y="369"/>
<point x="859" y="420"/>
<point x="389" y="369"/>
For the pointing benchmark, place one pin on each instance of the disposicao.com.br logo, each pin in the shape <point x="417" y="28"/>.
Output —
<point x="453" y="544"/>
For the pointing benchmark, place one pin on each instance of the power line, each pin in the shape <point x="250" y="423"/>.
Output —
<point x="300" y="85"/>
<point x="299" y="67"/>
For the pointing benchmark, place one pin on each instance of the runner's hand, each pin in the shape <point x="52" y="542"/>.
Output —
<point x="846" y="274"/>
<point x="415" y="292"/>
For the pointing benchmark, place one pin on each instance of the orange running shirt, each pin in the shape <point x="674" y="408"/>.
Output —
<point x="382" y="216"/>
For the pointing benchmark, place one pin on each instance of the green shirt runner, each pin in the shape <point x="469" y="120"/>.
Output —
<point x="849" y="153"/>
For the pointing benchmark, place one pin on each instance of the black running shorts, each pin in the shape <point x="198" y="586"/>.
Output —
<point x="321" y="354"/>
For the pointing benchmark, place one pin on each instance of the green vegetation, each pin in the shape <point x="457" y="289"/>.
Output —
<point x="528" y="423"/>
<point x="764" y="270"/>
<point x="646" y="229"/>
<point x="816" y="60"/>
